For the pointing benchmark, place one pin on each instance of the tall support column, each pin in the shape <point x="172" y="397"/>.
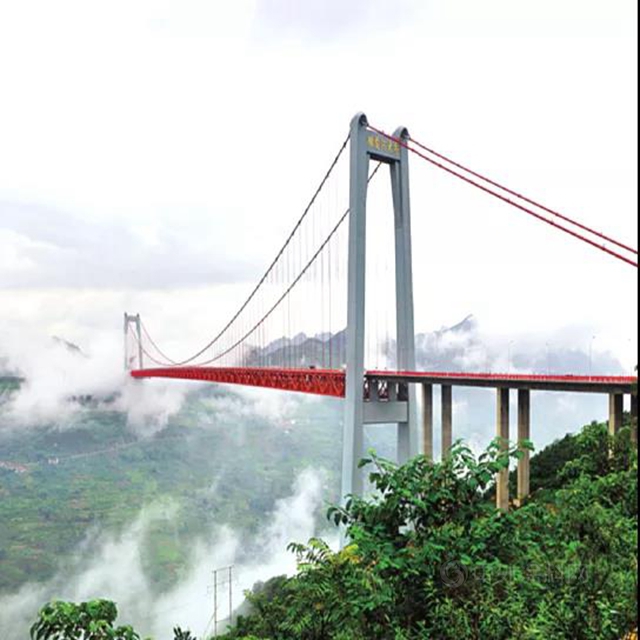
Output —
<point x="139" y="334"/>
<point x="502" y="432"/>
<point x="616" y="406"/>
<point x="447" y="418"/>
<point x="427" y="420"/>
<point x="408" y="432"/>
<point x="353" y="429"/>
<point x="135" y="320"/>
<point x="126" y="342"/>
<point x="524" y="433"/>
<point x="366" y="145"/>
<point x="634" y="419"/>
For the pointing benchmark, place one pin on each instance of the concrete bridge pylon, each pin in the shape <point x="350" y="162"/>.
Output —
<point x="400" y="406"/>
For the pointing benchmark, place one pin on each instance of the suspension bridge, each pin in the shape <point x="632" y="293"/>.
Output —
<point x="307" y="325"/>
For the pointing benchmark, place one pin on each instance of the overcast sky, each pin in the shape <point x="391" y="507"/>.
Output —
<point x="154" y="154"/>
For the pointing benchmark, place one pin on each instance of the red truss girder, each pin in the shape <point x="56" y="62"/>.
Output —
<point x="324" y="382"/>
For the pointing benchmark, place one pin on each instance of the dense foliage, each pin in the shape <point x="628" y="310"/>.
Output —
<point x="547" y="464"/>
<point x="93" y="620"/>
<point x="429" y="556"/>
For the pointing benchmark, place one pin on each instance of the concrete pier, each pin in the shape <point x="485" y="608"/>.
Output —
<point x="427" y="420"/>
<point x="447" y="418"/>
<point x="502" y="432"/>
<point x="616" y="406"/>
<point x="634" y="419"/>
<point x="524" y="433"/>
<point x="615" y="387"/>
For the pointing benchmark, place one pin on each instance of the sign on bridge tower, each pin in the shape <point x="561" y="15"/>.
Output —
<point x="395" y="403"/>
<point x="132" y="356"/>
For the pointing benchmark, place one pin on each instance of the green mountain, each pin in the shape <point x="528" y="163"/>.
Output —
<point x="219" y="459"/>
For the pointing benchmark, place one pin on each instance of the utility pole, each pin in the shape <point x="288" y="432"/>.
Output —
<point x="215" y="602"/>
<point x="230" y="595"/>
<point x="226" y="575"/>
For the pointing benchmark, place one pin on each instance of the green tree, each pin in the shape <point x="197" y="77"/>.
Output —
<point x="430" y="557"/>
<point x="179" y="634"/>
<point x="93" y="620"/>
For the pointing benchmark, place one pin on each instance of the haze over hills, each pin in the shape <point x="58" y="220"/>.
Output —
<point x="12" y="369"/>
<point x="459" y="347"/>
<point x="463" y="347"/>
<point x="208" y="459"/>
<point x="173" y="494"/>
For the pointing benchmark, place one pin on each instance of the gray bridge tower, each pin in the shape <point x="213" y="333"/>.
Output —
<point x="130" y="358"/>
<point x="375" y="404"/>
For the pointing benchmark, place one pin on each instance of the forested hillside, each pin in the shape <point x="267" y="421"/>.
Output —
<point x="225" y="458"/>
<point x="218" y="460"/>
<point x="430" y="557"/>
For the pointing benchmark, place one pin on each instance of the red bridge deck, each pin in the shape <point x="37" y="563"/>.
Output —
<point x="331" y="382"/>
<point x="325" y="382"/>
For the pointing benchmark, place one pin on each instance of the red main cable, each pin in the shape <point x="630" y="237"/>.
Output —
<point x="402" y="143"/>
<point x="525" y="198"/>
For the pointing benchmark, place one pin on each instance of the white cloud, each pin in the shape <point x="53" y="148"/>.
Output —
<point x="48" y="248"/>
<point x="14" y="254"/>
<point x="110" y="566"/>
<point x="156" y="145"/>
<point x="332" y="20"/>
